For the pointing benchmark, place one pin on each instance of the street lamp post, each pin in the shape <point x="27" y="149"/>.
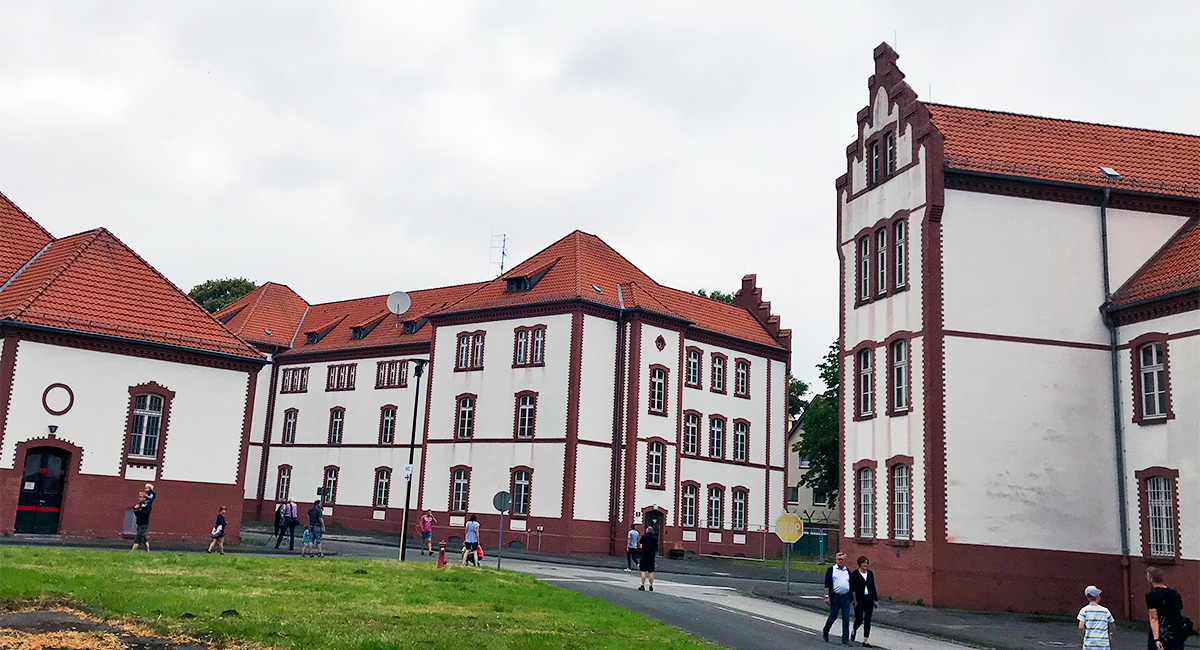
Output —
<point x="412" y="445"/>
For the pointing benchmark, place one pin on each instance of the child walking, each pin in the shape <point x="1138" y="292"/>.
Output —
<point x="1096" y="621"/>
<point x="218" y="533"/>
<point x="307" y="539"/>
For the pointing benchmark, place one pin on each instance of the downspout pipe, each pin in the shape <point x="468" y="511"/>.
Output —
<point x="1118" y="428"/>
<point x="618" y="414"/>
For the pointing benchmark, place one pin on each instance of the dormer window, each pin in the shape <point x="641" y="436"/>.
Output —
<point x="410" y="327"/>
<point x="520" y="283"/>
<point x="357" y="332"/>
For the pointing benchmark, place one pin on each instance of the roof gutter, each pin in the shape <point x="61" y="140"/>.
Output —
<point x="1109" y="308"/>
<point x="258" y="360"/>
<point x="1081" y="186"/>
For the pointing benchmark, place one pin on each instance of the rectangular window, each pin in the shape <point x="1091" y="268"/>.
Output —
<point x="691" y="434"/>
<point x="477" y="351"/>
<point x="466" y="417"/>
<point x="881" y="267"/>
<point x="293" y="380"/>
<point x="864" y="268"/>
<point x="654" y="464"/>
<point x="741" y="438"/>
<point x="461" y="480"/>
<point x="890" y="141"/>
<point x="898" y="242"/>
<point x="1159" y="506"/>
<point x="692" y="374"/>
<point x="526" y="414"/>
<point x="658" y="391"/>
<point x="900" y="375"/>
<point x="866" y="502"/>
<point x="284" y="489"/>
<point x="716" y="438"/>
<point x="793" y="494"/>
<point x="687" y="507"/>
<point x="866" y="385"/>
<point x="718" y="373"/>
<point x="873" y="164"/>
<point x="336" y="419"/>
<point x="147" y="425"/>
<point x="901" y="503"/>
<point x="521" y="484"/>
<point x="387" y="426"/>
<point x="331" y="481"/>
<point x="289" y="426"/>
<point x="391" y="374"/>
<point x="741" y="379"/>
<point x="739" y="510"/>
<point x="340" y="377"/>
<point x="820" y="499"/>
<point x="716" y="496"/>
<point x="1154" y="381"/>
<point x="383" y="479"/>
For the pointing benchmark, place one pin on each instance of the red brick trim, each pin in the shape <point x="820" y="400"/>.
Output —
<point x="290" y="372"/>
<point x="1135" y="357"/>
<point x="8" y="364"/>
<point x="466" y="496"/>
<point x="1058" y="192"/>
<point x="856" y="364"/>
<point x="872" y="465"/>
<point x="907" y="461"/>
<point x="570" y="456"/>
<point x="1026" y="339"/>
<point x="283" y="429"/>
<point x="665" y="392"/>
<point x="70" y="396"/>
<point x="733" y="437"/>
<point x="375" y="488"/>
<point x="361" y="445"/>
<point x="1172" y="476"/>
<point x="264" y="459"/>
<point x="279" y="495"/>
<point x="699" y="383"/>
<point x="341" y="430"/>
<point x="474" y="415"/>
<point x="163" y="428"/>
<point x="736" y="393"/>
<point x="629" y="468"/>
<point x="512" y="489"/>
<point x="889" y="349"/>
<point x="395" y="415"/>
<point x="674" y="485"/>
<point x="469" y="365"/>
<point x="708" y="512"/>
<point x="724" y="375"/>
<point x="298" y="356"/>
<point x="696" y="513"/>
<point x="337" y="478"/>
<point x="529" y="333"/>
<point x="662" y="483"/>
<point x="724" y="434"/>
<point x="517" y="415"/>
<point x="741" y="346"/>
<point x="351" y="378"/>
<point x="141" y="349"/>
<point x="247" y="426"/>
<point x="739" y="489"/>
<point x="699" y="435"/>
<point x="382" y="369"/>
<point x="1177" y="302"/>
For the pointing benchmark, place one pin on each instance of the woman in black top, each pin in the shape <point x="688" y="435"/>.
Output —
<point x="864" y="596"/>
<point x="1164" y="608"/>
<point x="218" y="533"/>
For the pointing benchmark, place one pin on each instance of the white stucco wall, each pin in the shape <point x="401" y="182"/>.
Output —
<point x="593" y="482"/>
<point x="204" y="433"/>
<point x="597" y="379"/>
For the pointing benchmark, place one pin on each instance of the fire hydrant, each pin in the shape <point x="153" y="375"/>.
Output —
<point x="441" y="555"/>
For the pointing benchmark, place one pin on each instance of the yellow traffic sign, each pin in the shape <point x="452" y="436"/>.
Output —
<point x="788" y="528"/>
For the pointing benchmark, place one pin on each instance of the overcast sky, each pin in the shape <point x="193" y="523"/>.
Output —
<point x="350" y="149"/>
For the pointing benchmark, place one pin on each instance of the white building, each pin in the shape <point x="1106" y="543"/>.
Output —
<point x="1021" y="359"/>
<point x="594" y="395"/>
<point x="110" y="377"/>
<point x="816" y="510"/>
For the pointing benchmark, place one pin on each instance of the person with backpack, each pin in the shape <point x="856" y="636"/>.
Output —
<point x="1169" y="628"/>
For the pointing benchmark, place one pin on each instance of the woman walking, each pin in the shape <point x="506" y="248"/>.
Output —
<point x="1164" y="607"/>
<point x="218" y="533"/>
<point x="864" y="597"/>
<point x="278" y="519"/>
<point x="471" y="542"/>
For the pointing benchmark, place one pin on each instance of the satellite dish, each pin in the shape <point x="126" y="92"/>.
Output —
<point x="399" y="302"/>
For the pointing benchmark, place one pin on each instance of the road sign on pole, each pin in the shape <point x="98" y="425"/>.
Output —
<point x="788" y="528"/>
<point x="502" y="501"/>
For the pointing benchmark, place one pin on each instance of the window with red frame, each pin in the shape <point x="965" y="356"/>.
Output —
<point x="147" y="425"/>
<point x="526" y="414"/>
<point x="873" y="163"/>
<point x="1152" y="374"/>
<point x="337" y="419"/>
<point x="283" y="487"/>
<point x="901" y="502"/>
<point x="383" y="482"/>
<point x="716" y="506"/>
<point x="293" y="380"/>
<point x="340" y="377"/>
<point x="460" y="489"/>
<point x="522" y="483"/>
<point x="691" y="434"/>
<point x="391" y="374"/>
<point x="741" y="440"/>
<point x="740" y="499"/>
<point x="658" y="391"/>
<point x="864" y="268"/>
<point x="331" y="483"/>
<point x="866" y="383"/>
<point x="387" y="425"/>
<point x="898" y="244"/>
<point x="899" y="375"/>
<point x="692" y="370"/>
<point x="716" y="437"/>
<point x="1161" y="518"/>
<point x="889" y="146"/>
<point x="290" y="418"/>
<point x="865" y="488"/>
<point x="741" y="378"/>
<point x="470" y="351"/>
<point x="529" y="347"/>
<point x="881" y="267"/>
<point x="718" y="373"/>
<point x="465" y="417"/>
<point x="654" y="464"/>
<point x="687" y="505"/>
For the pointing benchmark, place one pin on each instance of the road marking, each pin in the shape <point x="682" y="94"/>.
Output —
<point x="767" y="620"/>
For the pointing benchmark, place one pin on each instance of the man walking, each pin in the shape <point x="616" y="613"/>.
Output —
<point x="289" y="517"/>
<point x="837" y="596"/>
<point x="631" y="550"/>
<point x="649" y="550"/>
<point x="141" y="517"/>
<point x="316" y="526"/>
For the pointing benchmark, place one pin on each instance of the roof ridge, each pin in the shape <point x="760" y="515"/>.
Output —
<point x="26" y="215"/>
<point x="1061" y="119"/>
<point x="92" y="236"/>
<point x="385" y="295"/>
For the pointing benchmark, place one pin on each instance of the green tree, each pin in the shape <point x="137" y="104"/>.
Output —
<point x="215" y="294"/>
<point x="719" y="296"/>
<point x="819" y="443"/>
<point x="797" y="389"/>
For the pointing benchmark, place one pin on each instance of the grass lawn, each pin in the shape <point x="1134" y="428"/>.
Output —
<point x="312" y="604"/>
<point x="798" y="563"/>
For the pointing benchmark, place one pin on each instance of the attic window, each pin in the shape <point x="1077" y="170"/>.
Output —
<point x="357" y="332"/>
<point x="596" y="289"/>
<point x="519" y="283"/>
<point x="411" y="326"/>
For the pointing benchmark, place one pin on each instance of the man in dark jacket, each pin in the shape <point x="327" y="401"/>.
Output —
<point x="837" y="596"/>
<point x="864" y="596"/>
<point x="141" y="517"/>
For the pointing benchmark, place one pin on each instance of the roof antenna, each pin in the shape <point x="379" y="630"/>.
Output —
<point x="499" y="243"/>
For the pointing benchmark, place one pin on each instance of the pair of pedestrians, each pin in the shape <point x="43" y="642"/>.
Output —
<point x="846" y="589"/>
<point x="645" y="549"/>
<point x="286" y="520"/>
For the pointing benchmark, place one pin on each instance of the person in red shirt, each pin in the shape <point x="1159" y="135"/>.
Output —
<point x="427" y="522"/>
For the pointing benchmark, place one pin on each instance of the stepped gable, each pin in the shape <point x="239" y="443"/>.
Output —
<point x="269" y="315"/>
<point x="92" y="282"/>
<point x="1028" y="146"/>
<point x="1175" y="268"/>
<point x="20" y="238"/>
<point x="379" y="326"/>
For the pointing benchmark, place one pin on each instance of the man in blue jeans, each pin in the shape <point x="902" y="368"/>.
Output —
<point x="837" y="596"/>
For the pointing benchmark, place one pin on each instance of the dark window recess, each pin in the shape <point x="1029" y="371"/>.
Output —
<point x="411" y="326"/>
<point x="518" y="283"/>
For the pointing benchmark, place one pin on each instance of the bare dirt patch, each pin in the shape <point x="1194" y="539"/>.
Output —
<point x="69" y="629"/>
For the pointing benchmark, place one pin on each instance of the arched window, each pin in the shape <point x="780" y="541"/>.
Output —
<point x="691" y="434"/>
<point x="1154" y="380"/>
<point x="901" y="503"/>
<point x="716" y="437"/>
<point x="337" y="417"/>
<point x="387" y="425"/>
<point x="383" y="481"/>
<point x="741" y="378"/>
<point x="889" y="150"/>
<point x="716" y="506"/>
<point x="741" y="440"/>
<point x="522" y="480"/>
<point x="692" y="373"/>
<point x="740" y="499"/>
<point x="465" y="417"/>
<point x="522" y="352"/>
<point x="147" y="425"/>
<point x="718" y="373"/>
<point x="654" y="464"/>
<point x="881" y="267"/>
<point x="331" y="483"/>
<point x="866" y="502"/>
<point x="687" y="506"/>
<point x="898" y="242"/>
<point x="460" y="488"/>
<point x="283" y="487"/>
<point x="526" y="414"/>
<point x="1160" y="506"/>
<point x="290" y="417"/>
<point x="658" y="390"/>
<point x="899" y="375"/>
<point x="539" y="345"/>
<point x="866" y="383"/>
<point x="864" y="268"/>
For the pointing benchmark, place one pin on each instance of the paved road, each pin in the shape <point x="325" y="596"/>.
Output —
<point x="712" y="607"/>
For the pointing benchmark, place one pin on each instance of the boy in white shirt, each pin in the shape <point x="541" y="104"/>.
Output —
<point x="1096" y="622"/>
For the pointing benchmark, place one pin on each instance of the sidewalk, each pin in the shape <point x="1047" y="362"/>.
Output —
<point x="1000" y="630"/>
<point x="693" y="565"/>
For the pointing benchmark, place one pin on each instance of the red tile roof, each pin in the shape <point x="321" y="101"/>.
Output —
<point x="22" y="238"/>
<point x="1175" y="267"/>
<point x="270" y="315"/>
<point x="1064" y="150"/>
<point x="92" y="282"/>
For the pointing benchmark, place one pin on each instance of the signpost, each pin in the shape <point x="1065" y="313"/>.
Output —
<point x="788" y="528"/>
<point x="502" y="501"/>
